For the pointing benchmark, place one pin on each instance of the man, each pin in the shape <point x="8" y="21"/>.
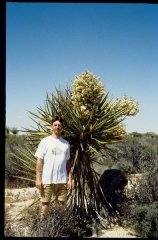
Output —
<point x="53" y="170"/>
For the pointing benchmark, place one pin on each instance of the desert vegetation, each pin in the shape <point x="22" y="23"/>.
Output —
<point x="101" y="152"/>
<point x="136" y="157"/>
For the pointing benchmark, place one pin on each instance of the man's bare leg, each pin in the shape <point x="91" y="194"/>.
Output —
<point x="45" y="208"/>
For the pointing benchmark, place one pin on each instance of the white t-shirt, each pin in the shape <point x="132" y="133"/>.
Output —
<point x="55" y="153"/>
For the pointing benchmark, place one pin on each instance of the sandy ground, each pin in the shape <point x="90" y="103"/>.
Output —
<point x="18" y="199"/>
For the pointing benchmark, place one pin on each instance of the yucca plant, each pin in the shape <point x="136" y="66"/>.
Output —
<point x="92" y="121"/>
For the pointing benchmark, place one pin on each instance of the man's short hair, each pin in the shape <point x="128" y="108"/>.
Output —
<point x="57" y="118"/>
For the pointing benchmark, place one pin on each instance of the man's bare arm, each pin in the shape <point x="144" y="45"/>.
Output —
<point x="69" y="174"/>
<point x="38" y="173"/>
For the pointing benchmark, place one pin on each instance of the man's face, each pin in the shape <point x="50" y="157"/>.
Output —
<point x="57" y="127"/>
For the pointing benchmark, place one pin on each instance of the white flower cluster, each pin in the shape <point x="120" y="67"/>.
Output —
<point x="131" y="106"/>
<point x="86" y="89"/>
<point x="120" y="131"/>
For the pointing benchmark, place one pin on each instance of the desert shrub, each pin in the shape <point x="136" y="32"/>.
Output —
<point x="147" y="189"/>
<point x="12" y="146"/>
<point x="133" y="151"/>
<point x="128" y="152"/>
<point x="147" y="186"/>
<point x="59" y="223"/>
<point x="149" y="160"/>
<point x="8" y="229"/>
<point x="141" y="210"/>
<point x="151" y="139"/>
<point x="145" y="220"/>
<point x="125" y="167"/>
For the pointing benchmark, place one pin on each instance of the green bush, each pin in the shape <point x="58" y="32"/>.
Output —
<point x="146" y="189"/>
<point x="146" y="220"/>
<point x="128" y="152"/>
<point x="126" y="167"/>
<point x="12" y="146"/>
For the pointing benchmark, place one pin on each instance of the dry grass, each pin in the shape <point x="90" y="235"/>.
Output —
<point x="21" y="225"/>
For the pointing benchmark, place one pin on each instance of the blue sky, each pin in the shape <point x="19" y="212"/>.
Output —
<point x="47" y="44"/>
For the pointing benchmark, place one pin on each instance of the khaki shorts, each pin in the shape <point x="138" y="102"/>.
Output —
<point x="54" y="192"/>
